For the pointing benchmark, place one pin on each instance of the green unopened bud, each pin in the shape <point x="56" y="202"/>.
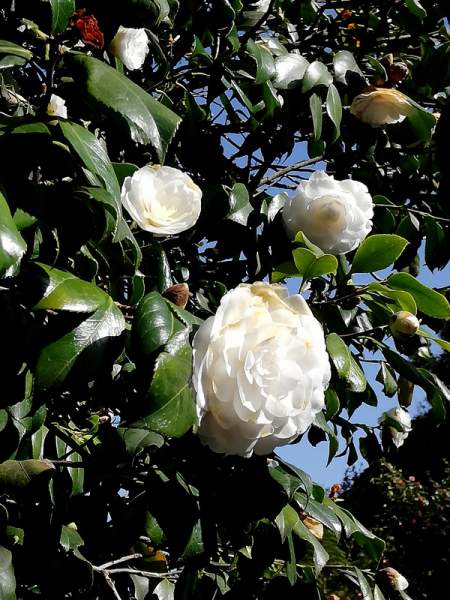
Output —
<point x="405" y="391"/>
<point x="404" y="323"/>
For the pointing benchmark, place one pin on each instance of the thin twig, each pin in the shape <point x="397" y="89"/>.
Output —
<point x="294" y="167"/>
<point x="110" y="582"/>
<point x="150" y="574"/>
<point x="363" y="333"/>
<point x="118" y="561"/>
<point x="413" y="210"/>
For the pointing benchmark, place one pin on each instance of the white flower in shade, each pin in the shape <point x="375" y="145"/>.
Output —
<point x="334" y="215"/>
<point x="130" y="46"/>
<point x="57" y="107"/>
<point x="162" y="200"/>
<point x="260" y="370"/>
<point x="382" y="106"/>
<point x="395" y="579"/>
<point x="402" y="417"/>
<point x="289" y="69"/>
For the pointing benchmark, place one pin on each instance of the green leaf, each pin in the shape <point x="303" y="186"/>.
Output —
<point x="428" y="301"/>
<point x="240" y="207"/>
<point x="7" y="47"/>
<point x="364" y="585"/>
<point x="136" y="439"/>
<point x="320" y="512"/>
<point x="334" y="109"/>
<point x="442" y="343"/>
<point x="94" y="158"/>
<point x="436" y="253"/>
<point x="378" y="252"/>
<point x="320" y="554"/>
<point x="422" y="122"/>
<point x="154" y="324"/>
<point x="104" y="88"/>
<point x="171" y="405"/>
<point x="19" y="474"/>
<point x="265" y="66"/>
<point x="303" y="259"/>
<point x="165" y="590"/>
<point x="62" y="10"/>
<point x="323" y="265"/>
<point x="356" y="379"/>
<point x="315" y="106"/>
<point x="339" y="354"/>
<point x="401" y="300"/>
<point x="284" y="271"/>
<point x="316" y="74"/>
<point x="7" y="578"/>
<point x="286" y="521"/>
<point x="386" y="378"/>
<point x="415" y="8"/>
<point x="93" y="336"/>
<point x="12" y="245"/>
<point x="70" y="538"/>
<point x="344" y="61"/>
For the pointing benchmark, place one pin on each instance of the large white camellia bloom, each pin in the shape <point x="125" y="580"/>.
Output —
<point x="403" y="418"/>
<point x="260" y="370"/>
<point x="334" y="215"/>
<point x="162" y="200"/>
<point x="57" y="107"/>
<point x="382" y="106"/>
<point x="130" y="46"/>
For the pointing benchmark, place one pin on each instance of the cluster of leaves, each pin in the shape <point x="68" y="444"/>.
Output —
<point x="405" y="501"/>
<point x="99" y="460"/>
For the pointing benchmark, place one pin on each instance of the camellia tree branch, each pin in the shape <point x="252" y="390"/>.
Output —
<point x="213" y="218"/>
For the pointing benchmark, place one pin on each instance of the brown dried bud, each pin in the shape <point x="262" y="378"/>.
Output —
<point x="334" y="490"/>
<point x="405" y="391"/>
<point x="397" y="72"/>
<point x="178" y="294"/>
<point x="393" y="578"/>
<point x="387" y="60"/>
<point x="314" y="526"/>
<point x="88" y="29"/>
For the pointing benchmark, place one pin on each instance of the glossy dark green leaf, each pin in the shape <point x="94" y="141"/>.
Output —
<point x="316" y="74"/>
<point x="240" y="207"/>
<point x="422" y="123"/>
<point x="95" y="334"/>
<point x="364" y="586"/>
<point x="339" y="354"/>
<point x="324" y="265"/>
<point x="315" y="106"/>
<point x="154" y="324"/>
<point x="104" y="88"/>
<point x="94" y="157"/>
<point x="334" y="109"/>
<point x="416" y="8"/>
<point x="386" y="378"/>
<point x="378" y="252"/>
<point x="170" y="400"/>
<point x="265" y="66"/>
<point x="62" y="10"/>
<point x="286" y="521"/>
<point x="344" y="61"/>
<point x="19" y="474"/>
<point x="303" y="259"/>
<point x="428" y="301"/>
<point x="436" y="251"/>
<point x="320" y="512"/>
<point x="12" y="245"/>
<point x="7" y="577"/>
<point x="136" y="439"/>
<point x="320" y="555"/>
<point x="398" y="299"/>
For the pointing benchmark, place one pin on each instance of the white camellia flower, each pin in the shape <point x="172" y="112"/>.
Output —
<point x="403" y="418"/>
<point x="260" y="370"/>
<point x="130" y="46"/>
<point x="162" y="200"/>
<point x="289" y="69"/>
<point x="382" y="106"/>
<point x="57" y="107"/>
<point x="334" y="215"/>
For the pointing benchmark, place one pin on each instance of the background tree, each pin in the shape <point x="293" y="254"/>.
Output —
<point x="106" y="490"/>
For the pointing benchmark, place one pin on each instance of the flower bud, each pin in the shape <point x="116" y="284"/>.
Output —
<point x="334" y="215"/>
<point x="404" y="323"/>
<point x="405" y="392"/>
<point x="394" y="579"/>
<point x="401" y="418"/>
<point x="162" y="200"/>
<point x="130" y="46"/>
<point x="177" y="294"/>
<point x="381" y="106"/>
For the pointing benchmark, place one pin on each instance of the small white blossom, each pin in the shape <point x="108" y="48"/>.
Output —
<point x="334" y="215"/>
<point x="260" y="370"/>
<point x="162" y="200"/>
<point x="403" y="418"/>
<point x="130" y="46"/>
<point x="57" y="107"/>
